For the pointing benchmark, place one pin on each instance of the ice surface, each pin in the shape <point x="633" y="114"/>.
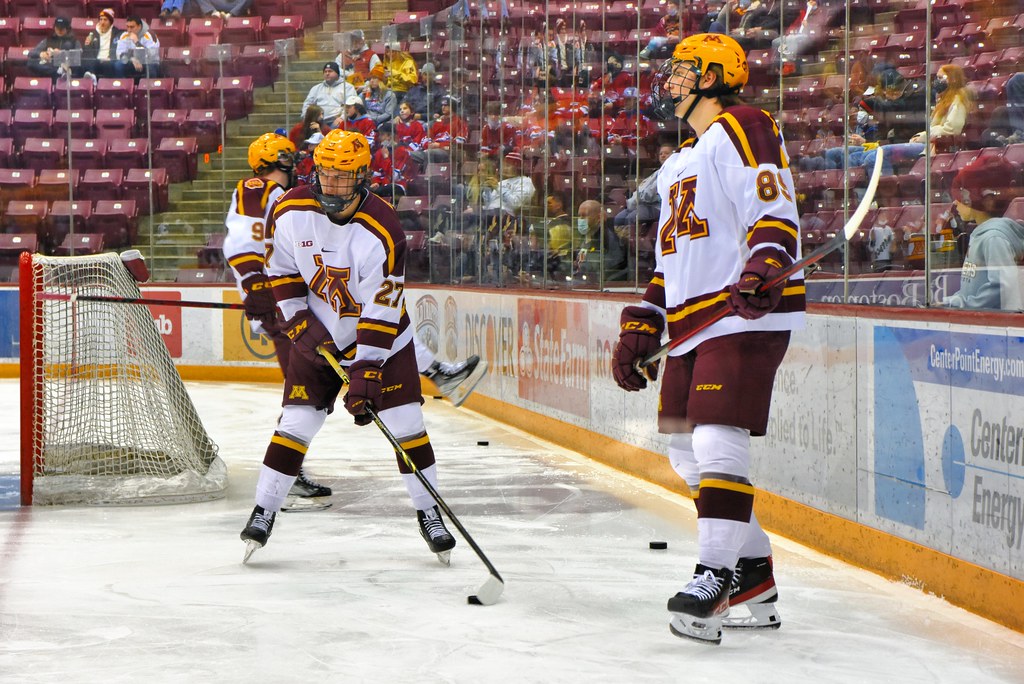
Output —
<point x="352" y="594"/>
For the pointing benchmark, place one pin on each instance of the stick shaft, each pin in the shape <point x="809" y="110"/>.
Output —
<point x="412" y="466"/>
<point x="186" y="303"/>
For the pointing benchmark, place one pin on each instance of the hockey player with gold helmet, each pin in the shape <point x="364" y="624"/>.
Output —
<point x="729" y="225"/>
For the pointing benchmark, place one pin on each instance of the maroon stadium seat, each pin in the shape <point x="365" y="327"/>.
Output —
<point x="16" y="184"/>
<point x="261" y="63"/>
<point x="115" y="220"/>
<point x="179" y="156"/>
<point x="43" y="153"/>
<point x="205" y="126"/>
<point x="88" y="153"/>
<point x="114" y="124"/>
<point x="32" y="92"/>
<point x="81" y="90"/>
<point x="78" y="121"/>
<point x="10" y="31"/>
<point x="13" y="244"/>
<point x="79" y="244"/>
<point x="242" y="30"/>
<point x="204" y="30"/>
<point x="6" y="153"/>
<point x="65" y="216"/>
<point x="169" y="30"/>
<point x="16" y="62"/>
<point x="180" y="62"/>
<point x="24" y="216"/>
<point x="114" y="93"/>
<point x="191" y="93"/>
<point x="238" y="98"/>
<point x="166" y="123"/>
<point x="101" y="184"/>
<point x="154" y="93"/>
<point x="127" y="153"/>
<point x="281" y="27"/>
<point x="33" y="29"/>
<point x="56" y="184"/>
<point x="136" y="187"/>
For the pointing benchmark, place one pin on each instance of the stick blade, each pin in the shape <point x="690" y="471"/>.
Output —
<point x="490" y="592"/>
<point x="462" y="392"/>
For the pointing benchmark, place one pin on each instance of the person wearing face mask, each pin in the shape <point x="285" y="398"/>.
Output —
<point x="614" y="81"/>
<point x="864" y="132"/>
<point x="272" y="160"/>
<point x="330" y="95"/>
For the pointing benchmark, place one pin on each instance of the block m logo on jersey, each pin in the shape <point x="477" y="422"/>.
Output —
<point x="298" y="392"/>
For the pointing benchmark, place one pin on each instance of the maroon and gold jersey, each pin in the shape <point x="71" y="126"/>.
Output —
<point x="246" y="223"/>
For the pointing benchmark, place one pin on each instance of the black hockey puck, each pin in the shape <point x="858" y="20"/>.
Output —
<point x="473" y="601"/>
<point x="483" y="442"/>
<point x="658" y="545"/>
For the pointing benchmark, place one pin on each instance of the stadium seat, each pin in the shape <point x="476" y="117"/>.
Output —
<point x="33" y="29"/>
<point x="32" y="92"/>
<point x="196" y="276"/>
<point x="24" y="216"/>
<point x="281" y="27"/>
<point x="211" y="255"/>
<point x="43" y="153"/>
<point x="1002" y="32"/>
<point x="127" y="153"/>
<point x="16" y="184"/>
<point x="114" y="93"/>
<point x="114" y="124"/>
<point x="16" y="62"/>
<point x="81" y="91"/>
<point x="80" y="244"/>
<point x="220" y="60"/>
<point x="152" y="94"/>
<point x="243" y="30"/>
<point x="6" y="153"/>
<point x="5" y="123"/>
<point x="269" y="8"/>
<point x="179" y="156"/>
<point x="73" y="123"/>
<point x="136" y="187"/>
<point x="66" y="215"/>
<point x="238" y="97"/>
<point x="166" y="123"/>
<point x="180" y="62"/>
<point x="81" y="25"/>
<point x="191" y="93"/>
<point x="56" y="184"/>
<point x="10" y="31"/>
<point x="261" y="63"/>
<point x="205" y="30"/>
<point x="1016" y="210"/>
<point x="97" y="184"/>
<point x="170" y="31"/>
<point x="206" y="126"/>
<point x="13" y="244"/>
<point x="87" y="153"/>
<point x="116" y="221"/>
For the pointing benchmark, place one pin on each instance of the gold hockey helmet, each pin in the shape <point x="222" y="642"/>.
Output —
<point x="271" y="150"/>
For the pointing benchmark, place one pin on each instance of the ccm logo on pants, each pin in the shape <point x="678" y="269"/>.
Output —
<point x="708" y="388"/>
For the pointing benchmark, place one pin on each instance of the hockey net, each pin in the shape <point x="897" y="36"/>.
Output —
<point x="106" y="418"/>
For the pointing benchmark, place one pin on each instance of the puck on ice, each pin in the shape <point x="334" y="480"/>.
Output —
<point x="483" y="442"/>
<point x="658" y="545"/>
<point x="473" y="601"/>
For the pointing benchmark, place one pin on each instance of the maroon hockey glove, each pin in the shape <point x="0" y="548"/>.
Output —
<point x="364" y="388"/>
<point x="260" y="304"/>
<point x="639" y="336"/>
<point x="746" y="298"/>
<point x="307" y="333"/>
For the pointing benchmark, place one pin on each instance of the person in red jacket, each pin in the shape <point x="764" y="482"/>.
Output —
<point x="357" y="120"/>
<point x="630" y="125"/>
<point x="497" y="137"/>
<point x="447" y="129"/>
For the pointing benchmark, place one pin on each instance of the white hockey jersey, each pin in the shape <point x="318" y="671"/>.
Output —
<point x="352" y="276"/>
<point x="247" y="218"/>
<point x="723" y="197"/>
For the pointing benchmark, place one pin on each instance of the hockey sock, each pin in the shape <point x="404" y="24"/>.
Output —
<point x="683" y="461"/>
<point x="421" y="499"/>
<point x="424" y="357"/>
<point x="726" y="496"/>
<point x="272" y="488"/>
<point x="757" y="544"/>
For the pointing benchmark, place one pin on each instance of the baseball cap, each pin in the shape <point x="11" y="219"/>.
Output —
<point x="314" y="139"/>
<point x="353" y="100"/>
<point x="987" y="178"/>
<point x="62" y="22"/>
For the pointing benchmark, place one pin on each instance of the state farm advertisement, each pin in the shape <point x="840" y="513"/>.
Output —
<point x="167" y="320"/>
<point x="553" y="354"/>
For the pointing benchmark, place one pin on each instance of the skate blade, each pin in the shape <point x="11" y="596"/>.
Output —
<point x="299" y="504"/>
<point x="250" y="548"/>
<point x="445" y="558"/>
<point x="701" y="630"/>
<point x="466" y="387"/>
<point x="752" y="616"/>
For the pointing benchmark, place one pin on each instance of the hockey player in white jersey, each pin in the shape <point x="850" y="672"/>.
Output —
<point x="336" y="262"/>
<point x="728" y="224"/>
<point x="272" y="160"/>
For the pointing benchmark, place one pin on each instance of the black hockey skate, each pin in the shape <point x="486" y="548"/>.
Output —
<point x="437" y="536"/>
<point x="456" y="381"/>
<point x="754" y="593"/>
<point x="698" y="609"/>
<point x="257" y="531"/>
<point x="307" y="488"/>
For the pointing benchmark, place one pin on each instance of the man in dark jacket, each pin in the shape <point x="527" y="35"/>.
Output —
<point x="99" y="56"/>
<point x="44" y="59"/>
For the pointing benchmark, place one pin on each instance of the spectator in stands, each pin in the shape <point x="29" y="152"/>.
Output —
<point x="644" y="204"/>
<point x="99" y="55"/>
<point x="384" y="181"/>
<point x="900" y="113"/>
<point x="304" y="166"/>
<point x="557" y="238"/>
<point x="359" y="60"/>
<point x="630" y="126"/>
<point x="381" y="103"/>
<point x="330" y="95"/>
<point x="400" y="71"/>
<point x="953" y="105"/>
<point x="799" y="37"/>
<point x="863" y="136"/>
<point x="1006" y="127"/>
<point x="600" y="246"/>
<point x="357" y="120"/>
<point x="172" y="8"/>
<point x="567" y="55"/>
<point x="312" y="122"/>
<point x="990" y="278"/>
<point x="409" y="136"/>
<point x="497" y="136"/>
<point x="44" y="59"/>
<point x="535" y="59"/>
<point x="223" y="8"/>
<point x="446" y="129"/>
<point x="613" y="82"/>
<point x="730" y="16"/>
<point x="515" y="191"/>
<point x="666" y="32"/>
<point x="425" y="96"/>
<point x="137" y="35"/>
<point x="761" y="15"/>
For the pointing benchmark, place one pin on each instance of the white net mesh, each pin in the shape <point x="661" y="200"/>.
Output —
<point x="115" y="424"/>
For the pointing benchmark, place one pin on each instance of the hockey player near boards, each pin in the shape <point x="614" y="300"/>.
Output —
<point x="272" y="160"/>
<point x="336" y="261"/>
<point x="728" y="224"/>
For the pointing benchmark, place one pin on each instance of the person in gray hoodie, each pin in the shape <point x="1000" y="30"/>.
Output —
<point x="990" y="278"/>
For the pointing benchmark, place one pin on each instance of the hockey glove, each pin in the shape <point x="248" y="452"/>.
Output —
<point x="747" y="298"/>
<point x="364" y="389"/>
<point x="640" y="331"/>
<point x="260" y="304"/>
<point x="307" y="333"/>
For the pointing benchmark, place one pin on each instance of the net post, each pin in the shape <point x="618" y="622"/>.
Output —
<point x="30" y="408"/>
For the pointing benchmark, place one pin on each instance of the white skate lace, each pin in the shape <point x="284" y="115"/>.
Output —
<point x="432" y="524"/>
<point x="705" y="587"/>
<point x="261" y="521"/>
<point x="446" y="368"/>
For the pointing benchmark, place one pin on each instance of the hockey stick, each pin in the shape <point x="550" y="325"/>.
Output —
<point x="840" y="239"/>
<point x="142" y="300"/>
<point x="489" y="592"/>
